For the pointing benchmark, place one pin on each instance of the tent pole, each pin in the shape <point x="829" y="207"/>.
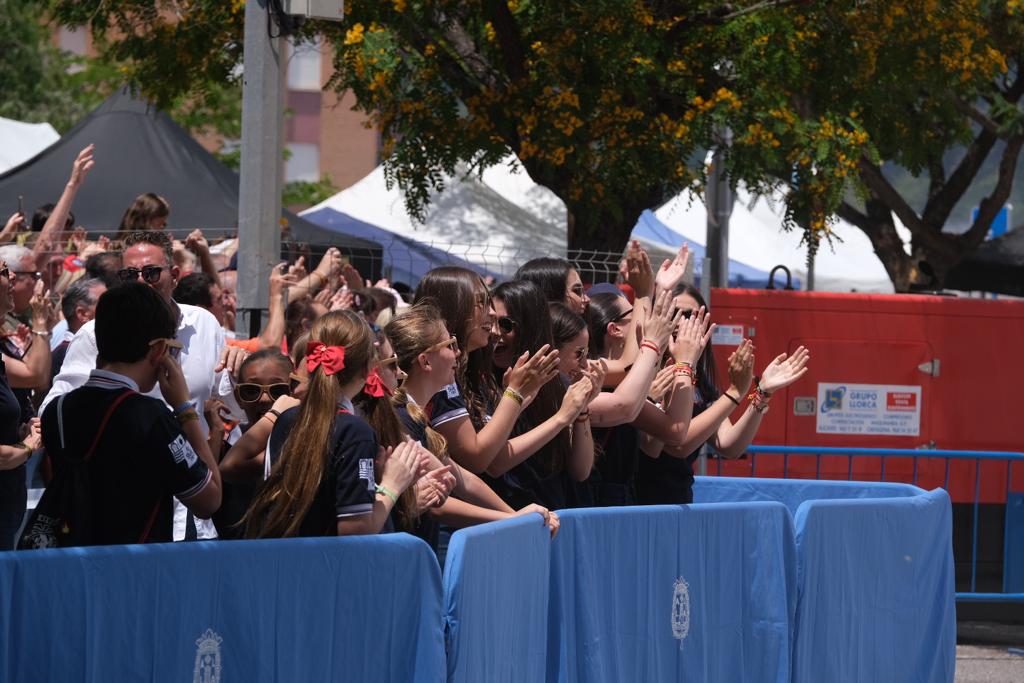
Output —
<point x="259" y="195"/>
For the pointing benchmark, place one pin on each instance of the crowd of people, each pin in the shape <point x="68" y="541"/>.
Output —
<point x="358" y="409"/>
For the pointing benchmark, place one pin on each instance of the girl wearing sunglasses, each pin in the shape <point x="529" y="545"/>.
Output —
<point x="553" y="446"/>
<point x="263" y="392"/>
<point x="422" y="347"/>
<point x="668" y="479"/>
<point x="473" y="415"/>
<point x="622" y="414"/>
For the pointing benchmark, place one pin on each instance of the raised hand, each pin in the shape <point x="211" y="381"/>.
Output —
<point x="784" y="370"/>
<point x="741" y="366"/>
<point x="298" y="269"/>
<point x="662" y="319"/>
<point x="196" y="243"/>
<point x="637" y="271"/>
<point x="596" y="371"/>
<point x="672" y="272"/>
<point x="82" y="165"/>
<point x="343" y="299"/>
<point x="692" y="336"/>
<point x="42" y="308"/>
<point x="576" y="399"/>
<point x="530" y="373"/>
<point x="279" y="280"/>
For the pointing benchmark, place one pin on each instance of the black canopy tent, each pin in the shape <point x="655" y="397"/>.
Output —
<point x="997" y="266"/>
<point x="139" y="149"/>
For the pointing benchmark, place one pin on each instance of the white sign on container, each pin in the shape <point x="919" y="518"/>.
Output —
<point x="881" y="409"/>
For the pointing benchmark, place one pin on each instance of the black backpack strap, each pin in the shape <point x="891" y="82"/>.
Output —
<point x="103" y="423"/>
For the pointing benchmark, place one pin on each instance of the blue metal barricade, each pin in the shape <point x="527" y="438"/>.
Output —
<point x="1013" y="535"/>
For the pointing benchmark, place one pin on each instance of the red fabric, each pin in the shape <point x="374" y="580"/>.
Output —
<point x="330" y="358"/>
<point x="375" y="386"/>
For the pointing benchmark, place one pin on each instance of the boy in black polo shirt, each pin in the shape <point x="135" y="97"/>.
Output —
<point x="143" y="453"/>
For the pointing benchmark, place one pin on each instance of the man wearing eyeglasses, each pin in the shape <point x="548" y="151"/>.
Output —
<point x="22" y="264"/>
<point x="204" y="356"/>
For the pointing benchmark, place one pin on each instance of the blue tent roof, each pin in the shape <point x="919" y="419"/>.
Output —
<point x="650" y="229"/>
<point x="406" y="259"/>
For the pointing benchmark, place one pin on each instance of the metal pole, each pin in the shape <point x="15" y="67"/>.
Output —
<point x="719" y="203"/>
<point x="705" y="292"/>
<point x="259" y="195"/>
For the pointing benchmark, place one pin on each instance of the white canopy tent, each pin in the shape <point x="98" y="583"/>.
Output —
<point x="495" y="222"/>
<point x="756" y="238"/>
<point x="20" y="141"/>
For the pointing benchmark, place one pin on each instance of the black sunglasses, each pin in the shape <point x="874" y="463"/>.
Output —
<point x="250" y="392"/>
<point x="150" y="274"/>
<point x="5" y="273"/>
<point x="507" y="324"/>
<point x="35" y="275"/>
<point x="622" y="315"/>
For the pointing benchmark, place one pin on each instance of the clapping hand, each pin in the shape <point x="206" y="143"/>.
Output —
<point x="636" y="270"/>
<point x="784" y="370"/>
<point x="692" y="336"/>
<point x="741" y="366"/>
<point x="672" y="272"/>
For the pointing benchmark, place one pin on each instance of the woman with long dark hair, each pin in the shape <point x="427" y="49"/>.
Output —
<point x="473" y="415"/>
<point x="554" y="430"/>
<point x="668" y="479"/>
<point x="322" y="456"/>
<point x="624" y="412"/>
<point x="423" y="349"/>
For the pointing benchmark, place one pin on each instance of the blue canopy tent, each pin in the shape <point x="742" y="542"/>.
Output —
<point x="405" y="259"/>
<point x="655" y="234"/>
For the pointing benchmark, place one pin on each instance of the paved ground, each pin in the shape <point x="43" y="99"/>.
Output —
<point x="989" y="664"/>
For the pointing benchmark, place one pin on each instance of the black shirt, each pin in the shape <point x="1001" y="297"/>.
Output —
<point x="13" y="489"/>
<point x="348" y="485"/>
<point x="142" y="459"/>
<point x="427" y="527"/>
<point x="668" y="480"/>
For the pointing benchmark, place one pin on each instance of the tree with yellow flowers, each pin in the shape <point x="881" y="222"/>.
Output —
<point x="612" y="103"/>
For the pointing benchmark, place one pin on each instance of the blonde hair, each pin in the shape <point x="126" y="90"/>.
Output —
<point x="281" y="505"/>
<point x="414" y="330"/>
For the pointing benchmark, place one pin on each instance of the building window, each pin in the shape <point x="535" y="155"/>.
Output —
<point x="304" y="66"/>
<point x="303" y="162"/>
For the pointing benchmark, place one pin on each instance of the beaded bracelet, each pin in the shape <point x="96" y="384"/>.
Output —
<point x="514" y="395"/>
<point x="759" y="400"/>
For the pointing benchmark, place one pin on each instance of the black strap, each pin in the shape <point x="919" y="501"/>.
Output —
<point x="103" y="424"/>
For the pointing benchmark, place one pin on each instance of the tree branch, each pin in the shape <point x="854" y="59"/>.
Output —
<point x="975" y="115"/>
<point x="992" y="204"/>
<point x="873" y="178"/>
<point x="509" y="38"/>
<point x="848" y="213"/>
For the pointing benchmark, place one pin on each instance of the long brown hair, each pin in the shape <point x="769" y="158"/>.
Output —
<point x="380" y="415"/>
<point x="283" y="501"/>
<point x="455" y="292"/>
<point x="416" y="329"/>
<point x="144" y="209"/>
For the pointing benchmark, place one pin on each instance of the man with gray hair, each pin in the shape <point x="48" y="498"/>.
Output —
<point x="22" y="264"/>
<point x="78" y="307"/>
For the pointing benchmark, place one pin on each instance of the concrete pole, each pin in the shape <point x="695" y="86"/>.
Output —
<point x="719" y="200"/>
<point x="259" y="195"/>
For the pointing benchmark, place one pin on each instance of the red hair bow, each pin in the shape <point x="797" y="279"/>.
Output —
<point x="375" y="386"/>
<point x="330" y="358"/>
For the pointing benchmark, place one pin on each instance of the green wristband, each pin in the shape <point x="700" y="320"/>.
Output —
<point x="387" y="492"/>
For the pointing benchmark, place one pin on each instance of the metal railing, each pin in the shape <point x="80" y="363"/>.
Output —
<point x="917" y="455"/>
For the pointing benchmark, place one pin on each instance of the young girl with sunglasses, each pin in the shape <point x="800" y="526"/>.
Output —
<point x="474" y="417"/>
<point x="263" y="392"/>
<point x="425" y="353"/>
<point x="322" y="481"/>
<point x="668" y="479"/>
<point x="623" y="413"/>
<point x="554" y="447"/>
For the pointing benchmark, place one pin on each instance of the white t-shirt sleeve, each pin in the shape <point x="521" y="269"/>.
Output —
<point x="78" y="363"/>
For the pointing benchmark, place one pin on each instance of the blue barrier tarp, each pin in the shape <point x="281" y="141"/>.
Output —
<point x="793" y="492"/>
<point x="496" y="601"/>
<point x="671" y="593"/>
<point x="358" y="609"/>
<point x="876" y="588"/>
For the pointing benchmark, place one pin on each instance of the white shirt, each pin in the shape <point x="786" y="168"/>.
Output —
<point x="59" y="334"/>
<point x="203" y="339"/>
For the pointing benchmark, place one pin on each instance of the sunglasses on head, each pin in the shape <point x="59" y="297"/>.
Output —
<point x="151" y="274"/>
<point x="250" y="392"/>
<point x="506" y="324"/>
<point x="451" y="341"/>
<point x="174" y="346"/>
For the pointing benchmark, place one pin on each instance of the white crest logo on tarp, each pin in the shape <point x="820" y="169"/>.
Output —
<point x="207" y="668"/>
<point x="681" y="610"/>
